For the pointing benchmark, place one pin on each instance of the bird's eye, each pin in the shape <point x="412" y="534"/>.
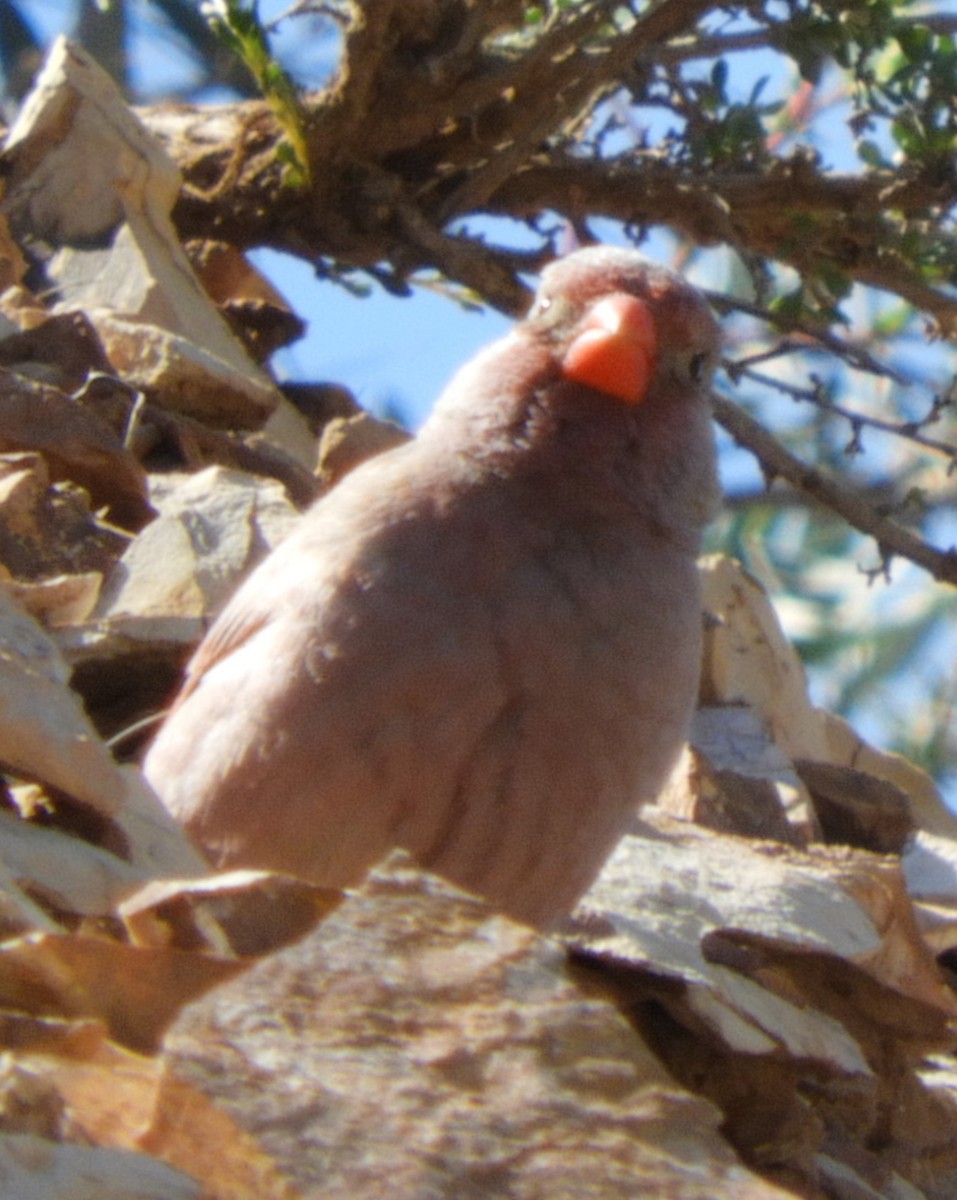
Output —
<point x="697" y="367"/>
<point x="541" y="305"/>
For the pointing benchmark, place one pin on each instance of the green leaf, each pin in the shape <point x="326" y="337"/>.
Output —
<point x="790" y="306"/>
<point x="915" y="41"/>
<point x="869" y="152"/>
<point x="908" y="137"/>
<point x="757" y="90"/>
<point x="834" y="279"/>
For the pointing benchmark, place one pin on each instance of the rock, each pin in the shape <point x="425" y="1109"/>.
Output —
<point x="419" y="1044"/>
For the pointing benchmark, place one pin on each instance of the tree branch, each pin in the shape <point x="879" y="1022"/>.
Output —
<point x="793" y="212"/>
<point x="417" y="133"/>
<point x="776" y="462"/>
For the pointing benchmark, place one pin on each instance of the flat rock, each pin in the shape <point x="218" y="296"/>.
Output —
<point x="415" y="1046"/>
<point x="212" y="529"/>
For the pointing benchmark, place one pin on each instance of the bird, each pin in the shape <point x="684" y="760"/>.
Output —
<point x="482" y="646"/>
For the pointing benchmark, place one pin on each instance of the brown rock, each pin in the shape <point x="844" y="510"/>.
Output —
<point x="348" y="441"/>
<point x="791" y="988"/>
<point x="415" y="1045"/>
<point x="735" y="779"/>
<point x="77" y="445"/>
<point x="857" y="809"/>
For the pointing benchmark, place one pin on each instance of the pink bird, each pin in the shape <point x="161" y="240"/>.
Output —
<point x="482" y="646"/>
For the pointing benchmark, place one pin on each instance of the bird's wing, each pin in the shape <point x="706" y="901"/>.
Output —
<point x="236" y="624"/>
<point x="290" y="568"/>
<point x="310" y="566"/>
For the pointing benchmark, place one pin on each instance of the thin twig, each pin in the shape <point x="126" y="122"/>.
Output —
<point x="908" y="430"/>
<point x="776" y="462"/>
<point x="855" y="356"/>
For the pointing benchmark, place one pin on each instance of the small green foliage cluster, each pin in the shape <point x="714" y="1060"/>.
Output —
<point x="723" y="132"/>
<point x="237" y="24"/>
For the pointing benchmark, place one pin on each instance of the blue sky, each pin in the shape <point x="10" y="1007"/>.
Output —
<point x="393" y="353"/>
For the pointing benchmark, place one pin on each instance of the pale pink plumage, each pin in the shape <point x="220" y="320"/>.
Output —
<point x="482" y="646"/>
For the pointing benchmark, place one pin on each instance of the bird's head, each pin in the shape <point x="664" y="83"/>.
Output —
<point x="625" y="326"/>
<point x="601" y="392"/>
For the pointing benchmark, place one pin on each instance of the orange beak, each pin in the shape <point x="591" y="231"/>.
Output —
<point x="615" y="349"/>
